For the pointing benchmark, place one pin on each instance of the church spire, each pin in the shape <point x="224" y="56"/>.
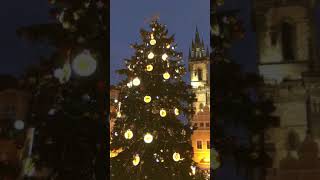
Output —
<point x="197" y="38"/>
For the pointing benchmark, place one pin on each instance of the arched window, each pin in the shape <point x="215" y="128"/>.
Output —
<point x="288" y="41"/>
<point x="199" y="72"/>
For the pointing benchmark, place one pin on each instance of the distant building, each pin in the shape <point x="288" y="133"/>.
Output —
<point x="199" y="72"/>
<point x="289" y="64"/>
<point x="14" y="105"/>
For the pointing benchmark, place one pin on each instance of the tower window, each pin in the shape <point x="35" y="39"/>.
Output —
<point x="199" y="72"/>
<point x="208" y="144"/>
<point x="201" y="124"/>
<point x="288" y="35"/>
<point x="199" y="144"/>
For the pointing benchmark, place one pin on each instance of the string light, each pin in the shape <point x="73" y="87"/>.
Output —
<point x="164" y="56"/>
<point x="136" y="160"/>
<point x="153" y="42"/>
<point x="176" y="111"/>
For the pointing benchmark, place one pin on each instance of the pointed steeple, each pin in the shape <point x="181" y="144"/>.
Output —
<point x="189" y="53"/>
<point x="197" y="38"/>
<point x="207" y="53"/>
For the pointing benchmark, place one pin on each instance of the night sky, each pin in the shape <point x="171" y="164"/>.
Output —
<point x="181" y="18"/>
<point x="16" y="53"/>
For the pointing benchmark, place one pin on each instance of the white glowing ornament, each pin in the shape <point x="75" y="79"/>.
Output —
<point x="150" y="55"/>
<point x="163" y="113"/>
<point x="148" y="138"/>
<point x="149" y="67"/>
<point x="136" y="160"/>
<point x="136" y="81"/>
<point x="128" y="134"/>
<point x="84" y="64"/>
<point x="147" y="99"/>
<point x="129" y="84"/>
<point x="63" y="74"/>
<point x="176" y="157"/>
<point x="166" y="75"/>
<point x="176" y="111"/>
<point x="164" y="56"/>
<point x="19" y="124"/>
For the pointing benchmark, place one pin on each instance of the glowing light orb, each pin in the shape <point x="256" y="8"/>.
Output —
<point x="136" y="81"/>
<point x="19" y="124"/>
<point x="164" y="56"/>
<point x="176" y="156"/>
<point x="84" y="64"/>
<point x="163" y="113"/>
<point x="149" y="67"/>
<point x="166" y="75"/>
<point x="136" y="160"/>
<point x="153" y="42"/>
<point x="147" y="99"/>
<point x="148" y="138"/>
<point x="168" y="46"/>
<point x="176" y="111"/>
<point x="150" y="55"/>
<point x="128" y="134"/>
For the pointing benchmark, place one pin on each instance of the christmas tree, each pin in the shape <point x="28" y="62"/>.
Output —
<point x="151" y="140"/>
<point x="239" y="102"/>
<point x="68" y="90"/>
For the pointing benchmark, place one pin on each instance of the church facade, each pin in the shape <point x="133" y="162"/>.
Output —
<point x="199" y="73"/>
<point x="288" y="62"/>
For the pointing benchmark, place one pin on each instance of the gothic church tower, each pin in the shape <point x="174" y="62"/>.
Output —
<point x="200" y="82"/>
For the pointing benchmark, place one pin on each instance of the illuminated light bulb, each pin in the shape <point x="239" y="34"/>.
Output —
<point x="177" y="71"/>
<point x="147" y="99"/>
<point x="129" y="84"/>
<point x="164" y="56"/>
<point x="176" y="111"/>
<point x="116" y="101"/>
<point x="168" y="46"/>
<point x="153" y="42"/>
<point x="172" y="47"/>
<point x="128" y="134"/>
<point x="163" y="113"/>
<point x="176" y="157"/>
<point x="149" y="67"/>
<point x="84" y="64"/>
<point x="136" y="81"/>
<point x="150" y="55"/>
<point x="136" y="160"/>
<point x="166" y="75"/>
<point x="193" y="169"/>
<point x="118" y="114"/>
<point x="148" y="138"/>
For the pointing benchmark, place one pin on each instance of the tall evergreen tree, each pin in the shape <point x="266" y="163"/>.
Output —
<point x="149" y="132"/>
<point x="67" y="88"/>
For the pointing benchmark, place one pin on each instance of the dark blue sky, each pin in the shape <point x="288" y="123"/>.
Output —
<point x="181" y="18"/>
<point x="16" y="53"/>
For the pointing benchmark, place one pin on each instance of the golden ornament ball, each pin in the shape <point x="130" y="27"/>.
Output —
<point x="128" y="134"/>
<point x="149" y="67"/>
<point x="163" y="113"/>
<point x="147" y="99"/>
<point x="166" y="75"/>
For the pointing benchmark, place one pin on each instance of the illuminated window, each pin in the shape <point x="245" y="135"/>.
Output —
<point x="208" y="144"/>
<point x="199" y="144"/>
<point x="201" y="124"/>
